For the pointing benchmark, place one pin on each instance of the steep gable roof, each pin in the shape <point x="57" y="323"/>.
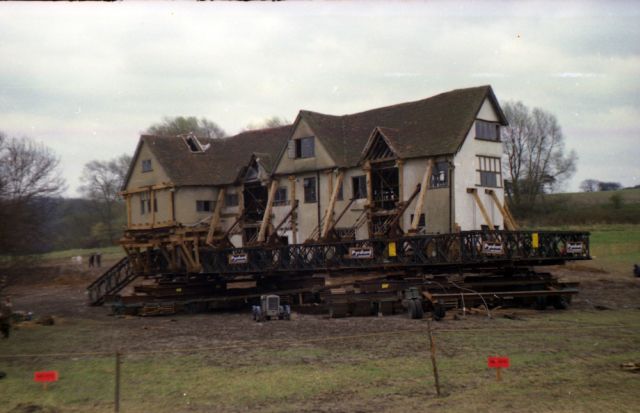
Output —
<point x="434" y="126"/>
<point x="221" y="163"/>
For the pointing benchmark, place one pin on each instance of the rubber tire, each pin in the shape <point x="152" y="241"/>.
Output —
<point x="560" y="303"/>
<point x="439" y="311"/>
<point x="411" y="309"/>
<point x="419" y="309"/>
<point x="541" y="303"/>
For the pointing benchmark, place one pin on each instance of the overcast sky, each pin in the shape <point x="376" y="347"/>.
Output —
<point x="86" y="79"/>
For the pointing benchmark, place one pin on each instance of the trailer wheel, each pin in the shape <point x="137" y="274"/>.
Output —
<point x="439" y="311"/>
<point x="560" y="303"/>
<point x="419" y="310"/>
<point x="411" y="309"/>
<point x="541" y="303"/>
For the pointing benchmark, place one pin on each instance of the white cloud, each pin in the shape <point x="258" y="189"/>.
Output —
<point x="87" y="78"/>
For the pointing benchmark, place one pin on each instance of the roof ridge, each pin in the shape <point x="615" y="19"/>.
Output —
<point x="410" y="102"/>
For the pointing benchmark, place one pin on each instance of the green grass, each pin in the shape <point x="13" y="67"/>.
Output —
<point x="107" y="252"/>
<point x="586" y="208"/>
<point x="560" y="362"/>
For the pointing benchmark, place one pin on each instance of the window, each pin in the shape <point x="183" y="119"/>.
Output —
<point x="310" y="193"/>
<point x="340" y="192"/>
<point x="231" y="200"/>
<point x="305" y="147"/>
<point x="489" y="172"/>
<point x="359" y="186"/>
<point x="146" y="165"/>
<point x="487" y="130"/>
<point x="281" y="197"/>
<point x="204" y="206"/>
<point x="193" y="143"/>
<point x="440" y="175"/>
<point x="145" y="203"/>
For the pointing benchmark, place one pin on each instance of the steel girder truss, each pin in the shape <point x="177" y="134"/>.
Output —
<point x="425" y="253"/>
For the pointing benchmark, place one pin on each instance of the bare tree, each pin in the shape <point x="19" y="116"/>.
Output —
<point x="535" y="158"/>
<point x="270" y="122"/>
<point x="172" y="126"/>
<point x="29" y="176"/>
<point x="102" y="181"/>
<point x="589" y="185"/>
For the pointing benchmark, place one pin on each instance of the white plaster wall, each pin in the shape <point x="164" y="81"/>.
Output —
<point x="185" y="203"/>
<point x="467" y="213"/>
<point x="321" y="160"/>
<point x="436" y="206"/>
<point x="156" y="176"/>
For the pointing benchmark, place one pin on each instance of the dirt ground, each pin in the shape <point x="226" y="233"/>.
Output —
<point x="567" y="361"/>
<point x="58" y="289"/>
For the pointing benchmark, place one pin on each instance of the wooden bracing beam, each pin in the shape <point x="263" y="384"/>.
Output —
<point x="215" y="219"/>
<point x="513" y="220"/>
<point x="508" y="220"/>
<point x="274" y="234"/>
<point x="328" y="216"/>
<point x="424" y="186"/>
<point x="483" y="210"/>
<point x="262" y="235"/>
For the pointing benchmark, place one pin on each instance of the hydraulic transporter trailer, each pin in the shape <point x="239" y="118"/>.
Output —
<point x="447" y="270"/>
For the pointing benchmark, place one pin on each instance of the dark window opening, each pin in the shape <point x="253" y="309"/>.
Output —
<point x="487" y="130"/>
<point x="305" y="147"/>
<point x="204" y="206"/>
<point x="380" y="150"/>
<point x="310" y="190"/>
<point x="146" y="165"/>
<point x="440" y="175"/>
<point x="359" y="186"/>
<point x="340" y="192"/>
<point x="255" y="201"/>
<point x="385" y="183"/>
<point x="231" y="200"/>
<point x="145" y="204"/>
<point x="281" y="197"/>
<point x="193" y="143"/>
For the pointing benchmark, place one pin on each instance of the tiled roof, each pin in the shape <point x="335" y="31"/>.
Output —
<point x="427" y="127"/>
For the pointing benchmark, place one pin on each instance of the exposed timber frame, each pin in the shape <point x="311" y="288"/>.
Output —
<point x="215" y="218"/>
<point x="509" y="223"/>
<point x="424" y="186"/>
<point x="262" y="235"/>
<point x="328" y="216"/>
<point x="483" y="210"/>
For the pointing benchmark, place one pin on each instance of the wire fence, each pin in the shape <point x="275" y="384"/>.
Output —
<point x="264" y="370"/>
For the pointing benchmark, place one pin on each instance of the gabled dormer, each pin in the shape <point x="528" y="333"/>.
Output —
<point x="306" y="149"/>
<point x="379" y="147"/>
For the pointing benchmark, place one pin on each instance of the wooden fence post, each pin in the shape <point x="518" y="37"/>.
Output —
<point x="433" y="358"/>
<point x="117" y="389"/>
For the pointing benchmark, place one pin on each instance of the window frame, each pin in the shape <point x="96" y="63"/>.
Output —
<point x="361" y="181"/>
<point x="489" y="166"/>
<point x="299" y="147"/>
<point x="202" y="203"/>
<point x="279" y="201"/>
<point x="481" y="124"/>
<point x="434" y="182"/>
<point x="306" y="183"/>
<point x="231" y="196"/>
<point x="147" y="166"/>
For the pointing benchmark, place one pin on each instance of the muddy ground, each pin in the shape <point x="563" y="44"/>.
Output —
<point x="58" y="290"/>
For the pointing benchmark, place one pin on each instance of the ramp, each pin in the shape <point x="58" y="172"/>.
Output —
<point x="112" y="281"/>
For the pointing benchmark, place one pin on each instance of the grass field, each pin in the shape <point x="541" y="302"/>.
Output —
<point x="566" y="361"/>
<point x="560" y="361"/>
<point x="586" y="208"/>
